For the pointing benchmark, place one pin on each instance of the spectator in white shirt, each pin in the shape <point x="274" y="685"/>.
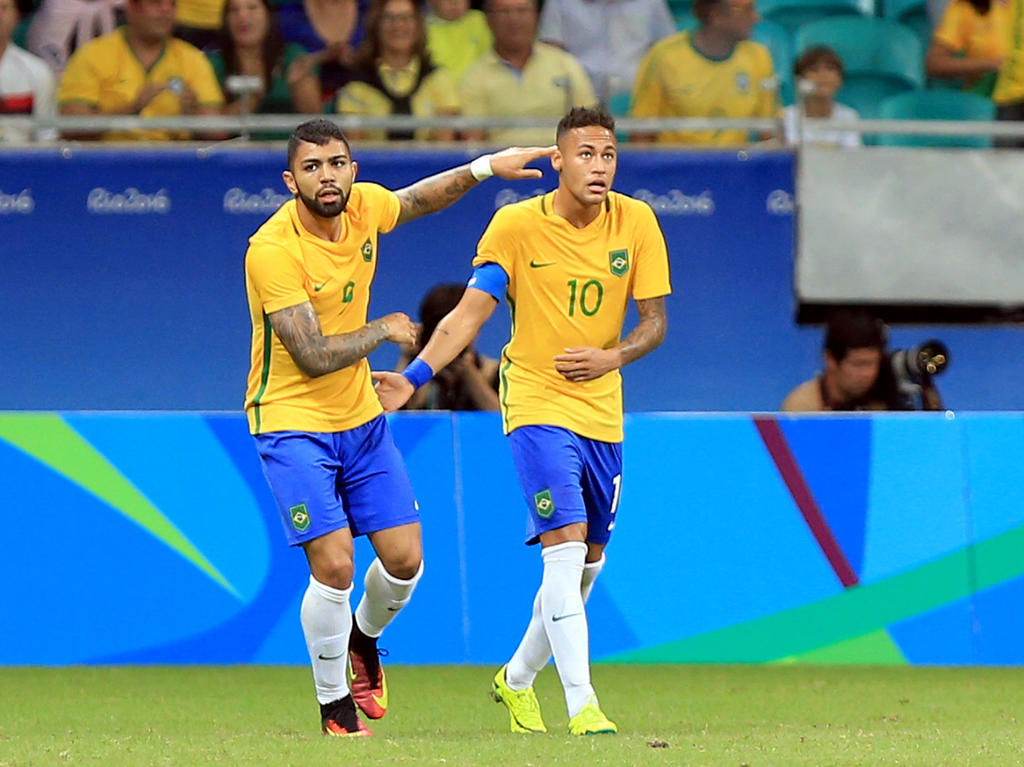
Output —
<point x="819" y="76"/>
<point x="26" y="83"/>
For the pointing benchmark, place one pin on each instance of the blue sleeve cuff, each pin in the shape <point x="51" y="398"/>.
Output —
<point x="418" y="373"/>
<point x="490" y="278"/>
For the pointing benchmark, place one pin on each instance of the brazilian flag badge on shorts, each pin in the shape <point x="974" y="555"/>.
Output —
<point x="618" y="262"/>
<point x="544" y="504"/>
<point x="300" y="517"/>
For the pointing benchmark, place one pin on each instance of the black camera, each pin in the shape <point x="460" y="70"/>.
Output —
<point x="910" y="374"/>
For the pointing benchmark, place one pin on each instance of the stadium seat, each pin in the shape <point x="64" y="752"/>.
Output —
<point x="684" y="18"/>
<point x="936" y="105"/>
<point x="791" y="14"/>
<point x="780" y="44"/>
<point x="912" y="14"/>
<point x="881" y="58"/>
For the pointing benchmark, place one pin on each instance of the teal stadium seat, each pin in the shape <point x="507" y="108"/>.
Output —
<point x="881" y="58"/>
<point x="780" y="43"/>
<point x="936" y="105"/>
<point x="912" y="14"/>
<point x="792" y="14"/>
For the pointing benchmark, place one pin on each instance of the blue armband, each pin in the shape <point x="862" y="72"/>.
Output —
<point x="490" y="278"/>
<point x="418" y="373"/>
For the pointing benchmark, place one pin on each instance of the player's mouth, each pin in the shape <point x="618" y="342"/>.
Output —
<point x="329" y="195"/>
<point x="597" y="187"/>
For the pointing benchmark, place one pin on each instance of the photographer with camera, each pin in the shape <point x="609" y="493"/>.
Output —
<point x="861" y="374"/>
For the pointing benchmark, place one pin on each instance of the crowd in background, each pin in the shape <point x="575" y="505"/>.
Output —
<point x="509" y="58"/>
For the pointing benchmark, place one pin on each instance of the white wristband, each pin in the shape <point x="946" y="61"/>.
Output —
<point x="481" y="168"/>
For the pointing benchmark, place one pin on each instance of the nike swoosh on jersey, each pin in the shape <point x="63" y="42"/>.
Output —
<point x="535" y="265"/>
<point x="320" y="287"/>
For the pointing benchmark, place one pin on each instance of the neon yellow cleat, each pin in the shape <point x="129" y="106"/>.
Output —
<point x="522" y="705"/>
<point x="591" y="721"/>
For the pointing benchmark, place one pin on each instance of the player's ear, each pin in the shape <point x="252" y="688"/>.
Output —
<point x="289" y="181"/>
<point x="556" y="161"/>
<point x="355" y="169"/>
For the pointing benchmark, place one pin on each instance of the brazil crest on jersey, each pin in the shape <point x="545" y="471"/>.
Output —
<point x="570" y="287"/>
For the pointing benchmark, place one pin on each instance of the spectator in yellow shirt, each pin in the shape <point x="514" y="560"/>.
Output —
<point x="522" y="77"/>
<point x="457" y="35"/>
<point x="395" y="76"/>
<point x="969" y="44"/>
<point x="712" y="71"/>
<point x="140" y="69"/>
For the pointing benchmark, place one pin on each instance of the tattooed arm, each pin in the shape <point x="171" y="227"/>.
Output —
<point x="585" y="363"/>
<point x="436" y="192"/>
<point x="316" y="354"/>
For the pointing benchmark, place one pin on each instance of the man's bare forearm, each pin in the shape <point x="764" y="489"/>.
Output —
<point x="316" y="354"/>
<point x="649" y="332"/>
<point x="434" y="193"/>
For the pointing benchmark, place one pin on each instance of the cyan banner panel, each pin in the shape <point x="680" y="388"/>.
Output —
<point x="740" y="538"/>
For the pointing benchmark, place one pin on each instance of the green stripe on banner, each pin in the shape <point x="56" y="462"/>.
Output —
<point x="855" y="612"/>
<point x="49" y="440"/>
<point x="875" y="648"/>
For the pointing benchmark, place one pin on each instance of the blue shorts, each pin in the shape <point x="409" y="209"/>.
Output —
<point x="567" y="478"/>
<point x="324" y="481"/>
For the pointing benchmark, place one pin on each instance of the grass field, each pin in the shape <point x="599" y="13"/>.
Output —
<point x="668" y="715"/>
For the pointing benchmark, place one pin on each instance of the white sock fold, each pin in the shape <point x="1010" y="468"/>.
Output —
<point x="383" y="598"/>
<point x="534" y="650"/>
<point x="327" y="622"/>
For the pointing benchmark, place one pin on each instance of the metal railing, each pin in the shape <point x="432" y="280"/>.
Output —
<point x="242" y="127"/>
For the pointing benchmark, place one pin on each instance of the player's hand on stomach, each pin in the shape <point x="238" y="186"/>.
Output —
<point x="393" y="389"/>
<point x="399" y="328"/>
<point x="511" y="163"/>
<point x="585" y="363"/>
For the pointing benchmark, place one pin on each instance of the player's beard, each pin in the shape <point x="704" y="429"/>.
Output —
<point x="324" y="210"/>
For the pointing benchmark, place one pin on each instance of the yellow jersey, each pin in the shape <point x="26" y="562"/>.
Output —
<point x="1009" y="87"/>
<point x="106" y="74"/>
<point x="677" y="80"/>
<point x="285" y="266"/>
<point x="570" y="287"/>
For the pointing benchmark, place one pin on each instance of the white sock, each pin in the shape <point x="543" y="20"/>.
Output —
<point x="327" y="622"/>
<point x="384" y="596"/>
<point x="565" y="621"/>
<point x="534" y="650"/>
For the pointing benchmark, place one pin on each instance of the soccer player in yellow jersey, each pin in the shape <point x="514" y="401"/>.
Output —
<point x="320" y="432"/>
<point x="712" y="71"/>
<point x="569" y="262"/>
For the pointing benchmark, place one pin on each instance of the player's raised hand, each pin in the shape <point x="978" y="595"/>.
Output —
<point x="585" y="363"/>
<point x="393" y="389"/>
<point x="400" y="329"/>
<point x="511" y="163"/>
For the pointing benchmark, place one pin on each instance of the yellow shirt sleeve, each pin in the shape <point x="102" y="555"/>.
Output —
<point x="499" y="243"/>
<point x="472" y="92"/>
<point x="582" y="89"/>
<point x="275" y="276"/>
<point x="382" y="201"/>
<point x="202" y="79"/>
<point x="951" y="31"/>
<point x="440" y="93"/>
<point x="651" y="278"/>
<point x="647" y="97"/>
<point x="80" y="81"/>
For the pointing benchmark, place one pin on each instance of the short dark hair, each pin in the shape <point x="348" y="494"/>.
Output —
<point x="854" y="329"/>
<point x="817" y="54"/>
<point x="439" y="300"/>
<point x="317" y="131"/>
<point x="584" y="117"/>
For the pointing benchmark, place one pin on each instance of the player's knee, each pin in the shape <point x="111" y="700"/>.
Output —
<point x="335" y="572"/>
<point x="405" y="564"/>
